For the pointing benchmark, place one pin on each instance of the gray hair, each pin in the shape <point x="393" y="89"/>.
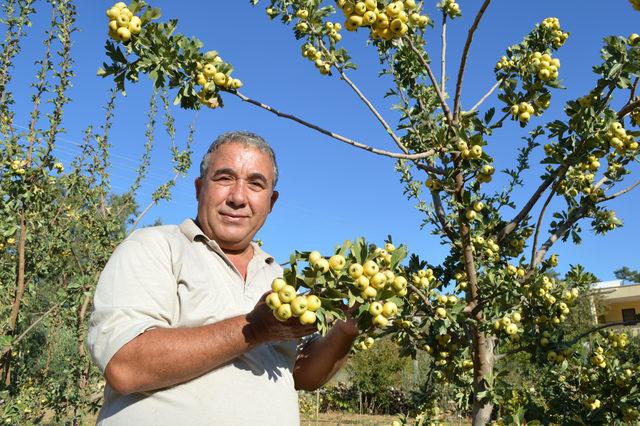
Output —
<point x="244" y="138"/>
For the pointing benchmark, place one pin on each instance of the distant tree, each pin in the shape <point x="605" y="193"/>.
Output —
<point x="627" y="274"/>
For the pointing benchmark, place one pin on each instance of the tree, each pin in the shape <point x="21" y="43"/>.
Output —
<point x="490" y="300"/>
<point x="627" y="274"/>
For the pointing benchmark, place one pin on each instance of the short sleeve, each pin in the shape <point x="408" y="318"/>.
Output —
<point x="136" y="292"/>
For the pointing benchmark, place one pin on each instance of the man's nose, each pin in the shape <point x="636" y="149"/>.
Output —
<point x="237" y="194"/>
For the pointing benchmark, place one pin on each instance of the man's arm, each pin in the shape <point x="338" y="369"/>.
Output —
<point x="320" y="359"/>
<point x="164" y="357"/>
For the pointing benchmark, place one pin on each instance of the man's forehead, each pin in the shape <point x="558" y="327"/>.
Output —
<point x="237" y="154"/>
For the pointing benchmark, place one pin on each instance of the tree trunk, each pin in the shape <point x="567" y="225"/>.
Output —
<point x="483" y="363"/>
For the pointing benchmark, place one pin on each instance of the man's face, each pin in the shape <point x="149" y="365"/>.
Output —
<point x="236" y="196"/>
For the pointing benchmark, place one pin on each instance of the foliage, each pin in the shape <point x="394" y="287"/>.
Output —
<point x="627" y="274"/>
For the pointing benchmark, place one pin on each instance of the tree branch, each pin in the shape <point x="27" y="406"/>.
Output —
<point x="630" y="106"/>
<point x="434" y="82"/>
<point x="373" y="110"/>
<point x="532" y="202"/>
<point x="617" y="194"/>
<point x="562" y="229"/>
<point x="443" y="60"/>
<point x="334" y="135"/>
<point x="422" y="296"/>
<point x="539" y="224"/>
<point x="465" y="55"/>
<point x="442" y="217"/>
<point x="486" y="95"/>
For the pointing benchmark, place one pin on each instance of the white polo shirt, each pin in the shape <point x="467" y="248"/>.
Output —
<point x="174" y="276"/>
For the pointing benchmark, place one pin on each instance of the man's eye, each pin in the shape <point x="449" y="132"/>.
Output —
<point x="224" y="179"/>
<point x="256" y="185"/>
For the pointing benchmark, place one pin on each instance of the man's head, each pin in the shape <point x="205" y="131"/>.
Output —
<point x="235" y="191"/>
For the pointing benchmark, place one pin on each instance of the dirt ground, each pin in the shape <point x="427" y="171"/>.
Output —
<point x="340" y="418"/>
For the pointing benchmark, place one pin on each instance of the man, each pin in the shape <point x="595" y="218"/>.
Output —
<point x="180" y="328"/>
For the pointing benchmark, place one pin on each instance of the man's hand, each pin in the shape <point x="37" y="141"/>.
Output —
<point x="265" y="327"/>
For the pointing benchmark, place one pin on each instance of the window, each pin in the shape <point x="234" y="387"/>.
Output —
<point x="629" y="315"/>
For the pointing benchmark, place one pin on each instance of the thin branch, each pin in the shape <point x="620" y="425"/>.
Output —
<point x="539" y="224"/>
<point x="486" y="95"/>
<point x="598" y="328"/>
<point x="443" y="60"/>
<point x="28" y="329"/>
<point x="617" y="194"/>
<point x="373" y="110"/>
<point x="442" y="217"/>
<point x="434" y="82"/>
<point x="562" y="229"/>
<point x="146" y="209"/>
<point x="422" y="296"/>
<point x="465" y="55"/>
<point x="334" y="135"/>
<point x="630" y="106"/>
<point x="532" y="202"/>
<point x="632" y="95"/>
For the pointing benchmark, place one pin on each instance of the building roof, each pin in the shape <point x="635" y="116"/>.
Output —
<point x="615" y="291"/>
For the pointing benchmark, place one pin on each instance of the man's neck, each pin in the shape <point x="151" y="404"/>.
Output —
<point x="240" y="259"/>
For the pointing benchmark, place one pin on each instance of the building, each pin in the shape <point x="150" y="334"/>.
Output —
<point x="617" y="303"/>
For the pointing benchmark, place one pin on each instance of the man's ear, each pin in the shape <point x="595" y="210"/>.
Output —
<point x="198" y="184"/>
<point x="274" y="197"/>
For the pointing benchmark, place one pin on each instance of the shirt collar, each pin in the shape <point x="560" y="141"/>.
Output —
<point x="193" y="232"/>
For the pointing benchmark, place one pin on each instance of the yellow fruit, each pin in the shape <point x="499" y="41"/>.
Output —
<point x="314" y="256"/>
<point x="399" y="283"/>
<point x="220" y="79"/>
<point x="124" y="34"/>
<point x="378" y="281"/>
<point x="277" y="284"/>
<point x="287" y="294"/>
<point x="299" y="306"/>
<point x="470" y="214"/>
<point x="389" y="309"/>
<point x="353" y="22"/>
<point x="362" y="282"/>
<point x="283" y="313"/>
<point x="370" y="268"/>
<point x="302" y="14"/>
<point x="337" y="262"/>
<point x="308" y="317"/>
<point x="380" y="321"/>
<point x="123" y="20"/>
<point x="369" y="293"/>
<point x="113" y="13"/>
<point x="113" y="25"/>
<point x="313" y="302"/>
<point x="135" y="25"/>
<point x="441" y="312"/>
<point x="273" y="301"/>
<point x="322" y="265"/>
<point x="375" y="308"/>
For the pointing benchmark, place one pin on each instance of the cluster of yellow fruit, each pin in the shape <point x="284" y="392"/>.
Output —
<point x="423" y="278"/>
<point x="545" y="66"/>
<point x="443" y="301"/>
<point x="635" y="4"/>
<point x="618" y="340"/>
<point x="509" y="324"/>
<point x="123" y="23"/>
<point x="286" y="302"/>
<point x="18" y="166"/>
<point x="522" y="111"/>
<point x="214" y="74"/>
<point x="380" y="313"/>
<point x="592" y="403"/>
<point x="559" y="36"/>
<point x="59" y="167"/>
<point x="313" y="54"/>
<point x="515" y="271"/>
<point x="433" y="184"/>
<point x="389" y="23"/>
<point x="369" y="279"/>
<point x="489" y="248"/>
<point x="485" y="174"/>
<point x="450" y="8"/>
<point x="504" y="63"/>
<point x="471" y="151"/>
<point x="597" y="358"/>
<point x="619" y="139"/>
<point x="578" y="179"/>
<point x="558" y="358"/>
<point x="365" y="344"/>
<point x="472" y="213"/>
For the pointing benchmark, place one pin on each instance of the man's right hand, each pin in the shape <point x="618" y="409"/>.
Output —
<point x="265" y="327"/>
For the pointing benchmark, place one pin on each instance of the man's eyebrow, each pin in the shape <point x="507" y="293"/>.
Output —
<point x="252" y="176"/>
<point x="224" y="171"/>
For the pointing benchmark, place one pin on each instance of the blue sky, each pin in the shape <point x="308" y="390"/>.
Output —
<point x="329" y="191"/>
